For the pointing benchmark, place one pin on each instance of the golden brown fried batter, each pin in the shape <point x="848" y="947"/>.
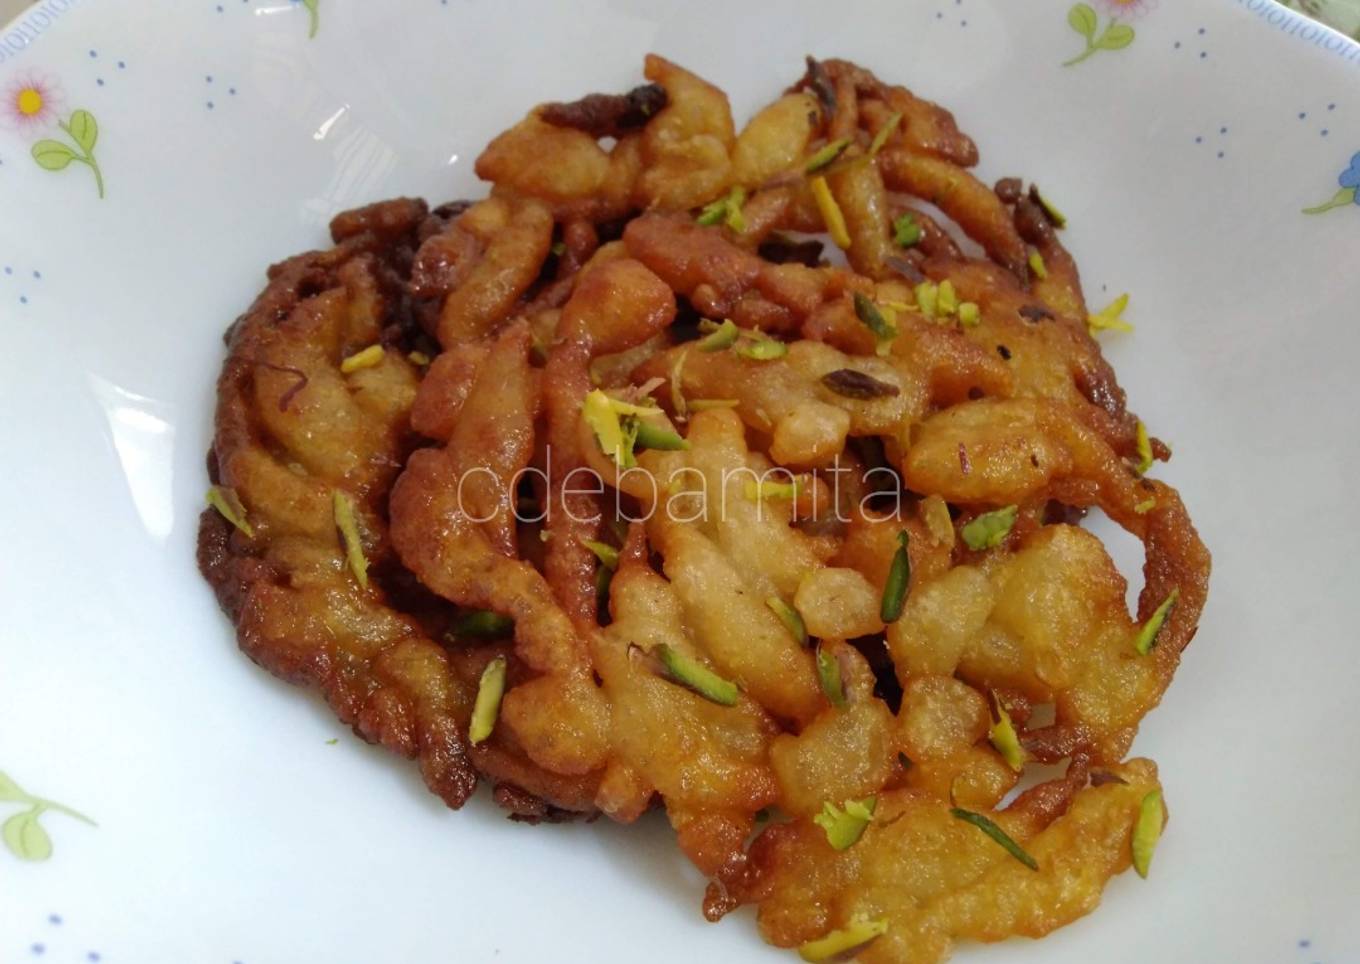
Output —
<point x="784" y="546"/>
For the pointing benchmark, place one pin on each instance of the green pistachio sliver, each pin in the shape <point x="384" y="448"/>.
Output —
<point x="726" y="210"/>
<point x="838" y="943"/>
<point x="1148" y="632"/>
<point x="947" y="301"/>
<point x="695" y="676"/>
<point x="229" y="507"/>
<point x="1004" y="738"/>
<point x="488" y="705"/>
<point x="997" y="834"/>
<point x="927" y="298"/>
<point x="735" y="220"/>
<point x="1144" y="444"/>
<point x="790" y="617"/>
<point x="720" y="338"/>
<point x="829" y="676"/>
<point x="826" y="155"/>
<point x="886" y="131"/>
<point x="1054" y="215"/>
<point x="343" y="509"/>
<point x="603" y="419"/>
<point x="756" y="490"/>
<point x="651" y="436"/>
<point x="845" y="825"/>
<point x="988" y="529"/>
<point x="708" y="404"/>
<point x="1146" y="506"/>
<point x="906" y="230"/>
<point x="868" y="312"/>
<point x="368" y="358"/>
<point x="761" y="348"/>
<point x="899" y="581"/>
<point x="1036" y="265"/>
<point x="483" y="624"/>
<point x="1111" y="317"/>
<point x="1147" y="831"/>
<point x="677" y="385"/>
<point x="607" y="554"/>
<point x="969" y="314"/>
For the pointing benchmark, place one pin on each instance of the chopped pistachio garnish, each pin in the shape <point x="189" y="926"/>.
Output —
<point x="488" y="704"/>
<point x="633" y="408"/>
<point x="483" y="624"/>
<point x="345" y="521"/>
<point x="607" y="554"/>
<point x="832" y="217"/>
<point x="997" y="834"/>
<point x="558" y="248"/>
<point x="722" y="337"/>
<point x="603" y="419"/>
<point x="758" y="347"/>
<point x="826" y="155"/>
<point x="947" y="301"/>
<point x="1036" y="265"/>
<point x="369" y="357"/>
<point x="1148" y="632"/>
<point x="1146" y="506"/>
<point x="615" y="424"/>
<point x="894" y="307"/>
<point x="708" y="404"/>
<point x="899" y="581"/>
<point x="677" y="385"/>
<point x="843" y="941"/>
<point x="829" y="676"/>
<point x="790" y="618"/>
<point x="726" y="210"/>
<point x="651" y="436"/>
<point x="693" y="675"/>
<point x="867" y="312"/>
<point x="418" y="358"/>
<point x="764" y="489"/>
<point x="1144" y="444"/>
<point x="988" y="529"/>
<point x="229" y="507"/>
<point x="1147" y="831"/>
<point x="969" y="314"/>
<point x="906" y="230"/>
<point x="935" y="512"/>
<point x="1110" y="318"/>
<point x="845" y="825"/>
<point x="927" y="298"/>
<point x="1004" y="738"/>
<point x="886" y="131"/>
<point x="1057" y="217"/>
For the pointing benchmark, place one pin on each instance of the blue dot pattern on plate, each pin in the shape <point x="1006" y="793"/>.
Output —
<point x="41" y="948"/>
<point x="99" y="81"/>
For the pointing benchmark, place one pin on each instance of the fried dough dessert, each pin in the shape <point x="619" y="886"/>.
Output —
<point x="736" y="472"/>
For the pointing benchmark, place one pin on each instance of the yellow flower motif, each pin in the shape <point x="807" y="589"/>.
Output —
<point x="30" y="101"/>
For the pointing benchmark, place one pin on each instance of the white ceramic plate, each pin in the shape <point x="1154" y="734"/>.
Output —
<point x="230" y="829"/>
